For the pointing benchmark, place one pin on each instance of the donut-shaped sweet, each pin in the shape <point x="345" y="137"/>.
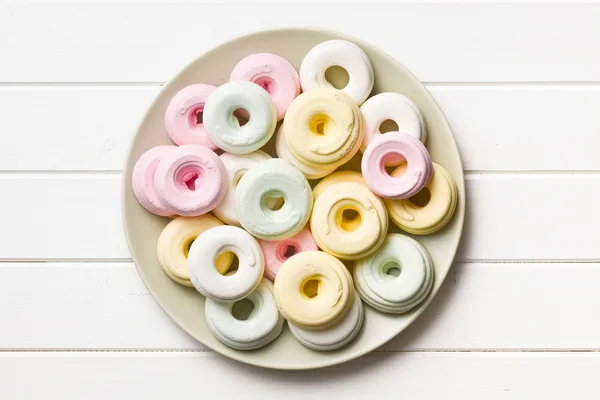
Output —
<point x="274" y="74"/>
<point x="277" y="252"/>
<point x="191" y="180"/>
<point x="223" y="127"/>
<point x="310" y="172"/>
<point x="343" y="54"/>
<point x="418" y="172"/>
<point x="337" y="177"/>
<point x="236" y="166"/>
<point x="313" y="290"/>
<point x="348" y="220"/>
<point x="272" y="179"/>
<point x="432" y="216"/>
<point x="174" y="243"/>
<point x="398" y="108"/>
<point x="263" y="325"/>
<point x="323" y="128"/>
<point x="142" y="181"/>
<point x="184" y="116"/>
<point x="202" y="259"/>
<point x="397" y="277"/>
<point x="338" y="335"/>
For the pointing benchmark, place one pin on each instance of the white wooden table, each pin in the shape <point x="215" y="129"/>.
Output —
<point x="518" y="317"/>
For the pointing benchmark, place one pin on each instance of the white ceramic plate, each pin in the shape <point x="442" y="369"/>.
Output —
<point x="186" y="306"/>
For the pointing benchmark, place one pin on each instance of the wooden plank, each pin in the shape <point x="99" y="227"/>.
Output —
<point x="497" y="128"/>
<point x="69" y="128"/>
<point x="438" y="42"/>
<point x="66" y="216"/>
<point x="409" y="375"/>
<point x="480" y="307"/>
<point x="509" y="217"/>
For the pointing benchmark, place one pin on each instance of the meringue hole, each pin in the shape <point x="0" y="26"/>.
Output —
<point x="233" y="267"/>
<point x="187" y="246"/>
<point x="337" y="76"/>
<point x="267" y="84"/>
<point x="318" y="125"/>
<point x="197" y="117"/>
<point x="188" y="178"/>
<point x="285" y="249"/>
<point x="392" y="269"/>
<point x="349" y="219"/>
<point x="388" y="126"/>
<point x="422" y="198"/>
<point x="391" y="161"/>
<point x="242" y="309"/>
<point x="311" y="288"/>
<point x="241" y="116"/>
<point x="273" y="201"/>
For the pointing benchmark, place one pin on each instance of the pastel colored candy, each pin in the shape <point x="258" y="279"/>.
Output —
<point x="236" y="166"/>
<point x="397" y="277"/>
<point x="348" y="220"/>
<point x="191" y="180"/>
<point x="274" y="74"/>
<point x="142" y="181"/>
<point x="418" y="172"/>
<point x="313" y="290"/>
<point x="183" y="118"/>
<point x="202" y="263"/>
<point x="398" y="108"/>
<point x="224" y="128"/>
<point x="261" y="184"/>
<point x="309" y="171"/>
<point x="323" y="128"/>
<point x="175" y="240"/>
<point x="277" y="252"/>
<point x="432" y="216"/>
<point x="338" y="53"/>
<point x="338" y="335"/>
<point x="263" y="325"/>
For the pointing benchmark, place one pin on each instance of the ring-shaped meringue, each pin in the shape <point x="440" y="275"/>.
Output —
<point x="182" y="120"/>
<point x="340" y="53"/>
<point x="400" y="291"/>
<point x="432" y="216"/>
<point x="204" y="274"/>
<point x="273" y="73"/>
<point x="272" y="179"/>
<point x="323" y="128"/>
<point x="224" y="128"/>
<point x="343" y="237"/>
<point x="418" y="172"/>
<point x="313" y="290"/>
<point x="190" y="180"/>
<point x="263" y="325"/>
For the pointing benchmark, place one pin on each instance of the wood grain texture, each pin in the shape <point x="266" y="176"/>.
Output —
<point x="186" y="375"/>
<point x="509" y="217"/>
<point x="109" y="42"/>
<point x="480" y="307"/>
<point x="515" y="128"/>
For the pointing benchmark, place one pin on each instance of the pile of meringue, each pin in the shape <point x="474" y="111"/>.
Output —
<point x="260" y="242"/>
